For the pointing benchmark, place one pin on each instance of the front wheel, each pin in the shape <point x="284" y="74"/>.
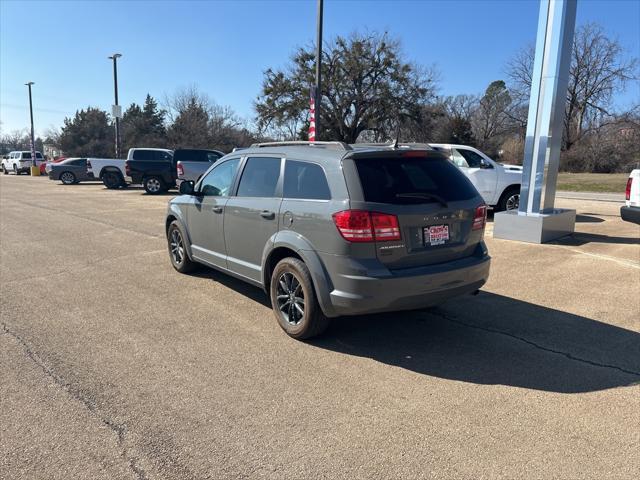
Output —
<point x="153" y="185"/>
<point x="510" y="200"/>
<point x="178" y="250"/>
<point x="294" y="300"/>
<point x="67" y="178"/>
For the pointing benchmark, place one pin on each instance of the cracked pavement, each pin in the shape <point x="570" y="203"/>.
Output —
<point x="115" y="366"/>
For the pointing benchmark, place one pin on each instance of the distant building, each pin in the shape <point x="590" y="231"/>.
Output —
<point x="51" y="151"/>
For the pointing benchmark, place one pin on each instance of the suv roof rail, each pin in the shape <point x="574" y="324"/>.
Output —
<point x="337" y="145"/>
<point x="392" y="145"/>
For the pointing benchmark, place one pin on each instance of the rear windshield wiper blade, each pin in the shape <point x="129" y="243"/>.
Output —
<point x="428" y="196"/>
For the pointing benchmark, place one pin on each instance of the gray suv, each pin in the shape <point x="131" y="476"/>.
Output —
<point x="329" y="229"/>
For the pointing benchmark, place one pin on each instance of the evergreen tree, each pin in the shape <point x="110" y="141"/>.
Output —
<point x="88" y="133"/>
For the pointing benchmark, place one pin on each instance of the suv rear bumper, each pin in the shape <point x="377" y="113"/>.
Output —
<point x="361" y="292"/>
<point x="630" y="214"/>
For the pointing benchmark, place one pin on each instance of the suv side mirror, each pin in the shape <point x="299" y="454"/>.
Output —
<point x="186" y="187"/>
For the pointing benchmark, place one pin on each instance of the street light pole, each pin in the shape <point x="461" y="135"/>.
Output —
<point x="115" y="57"/>
<point x="34" y="170"/>
<point x="318" y="96"/>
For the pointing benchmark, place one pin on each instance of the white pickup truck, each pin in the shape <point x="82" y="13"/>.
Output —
<point x="19" y="162"/>
<point x="498" y="184"/>
<point x="630" y="212"/>
<point x="109" y="170"/>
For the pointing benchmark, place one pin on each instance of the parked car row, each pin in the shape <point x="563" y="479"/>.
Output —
<point x="158" y="170"/>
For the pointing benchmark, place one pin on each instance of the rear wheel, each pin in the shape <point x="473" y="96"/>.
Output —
<point x="68" y="178"/>
<point x="154" y="185"/>
<point x="510" y="199"/>
<point x="178" y="250"/>
<point x="294" y="300"/>
<point x="112" y="180"/>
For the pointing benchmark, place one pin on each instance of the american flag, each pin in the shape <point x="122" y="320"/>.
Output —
<point x="312" y="115"/>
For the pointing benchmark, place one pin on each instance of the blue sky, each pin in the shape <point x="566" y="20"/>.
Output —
<point x="224" y="46"/>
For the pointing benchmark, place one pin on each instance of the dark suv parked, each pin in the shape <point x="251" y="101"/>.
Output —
<point x="329" y="229"/>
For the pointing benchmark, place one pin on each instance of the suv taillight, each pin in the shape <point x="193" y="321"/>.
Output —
<point x="179" y="169"/>
<point x="480" y="218"/>
<point x="127" y="169"/>
<point x="364" y="226"/>
<point x="627" y="193"/>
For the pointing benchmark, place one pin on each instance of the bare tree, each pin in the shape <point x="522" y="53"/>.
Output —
<point x="197" y="121"/>
<point x="367" y="87"/>
<point x="599" y="69"/>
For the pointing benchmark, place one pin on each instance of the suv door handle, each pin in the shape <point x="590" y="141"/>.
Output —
<point x="216" y="209"/>
<point x="267" y="214"/>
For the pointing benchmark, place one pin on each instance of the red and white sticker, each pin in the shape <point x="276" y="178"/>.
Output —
<point x="437" y="234"/>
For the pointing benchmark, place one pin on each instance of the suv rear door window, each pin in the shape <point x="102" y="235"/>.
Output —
<point x="406" y="180"/>
<point x="305" y="180"/>
<point x="260" y="177"/>
<point x="26" y="155"/>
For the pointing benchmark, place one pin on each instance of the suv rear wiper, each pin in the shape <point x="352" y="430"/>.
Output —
<point x="424" y="195"/>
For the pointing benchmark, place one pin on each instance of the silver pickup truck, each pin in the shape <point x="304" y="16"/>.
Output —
<point x="192" y="163"/>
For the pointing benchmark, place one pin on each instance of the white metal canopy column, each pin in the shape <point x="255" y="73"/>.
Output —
<point x="537" y="220"/>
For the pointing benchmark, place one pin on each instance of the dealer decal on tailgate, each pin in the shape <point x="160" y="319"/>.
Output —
<point x="436" y="234"/>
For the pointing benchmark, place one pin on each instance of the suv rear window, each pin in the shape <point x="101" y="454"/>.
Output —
<point x="402" y="180"/>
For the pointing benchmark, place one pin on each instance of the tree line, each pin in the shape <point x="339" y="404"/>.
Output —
<point x="372" y="93"/>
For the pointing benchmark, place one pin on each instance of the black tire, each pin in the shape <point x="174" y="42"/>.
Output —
<point x="67" y="178"/>
<point x="291" y="278"/>
<point x="112" y="180"/>
<point x="509" y="200"/>
<point x="154" y="185"/>
<point x="178" y="250"/>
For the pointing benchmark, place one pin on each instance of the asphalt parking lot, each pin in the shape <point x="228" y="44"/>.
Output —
<point x="115" y="366"/>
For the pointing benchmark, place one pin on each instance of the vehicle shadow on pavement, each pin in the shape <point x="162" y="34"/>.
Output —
<point x="495" y="340"/>
<point x="588" y="219"/>
<point x="581" y="238"/>
<point x="252" y="292"/>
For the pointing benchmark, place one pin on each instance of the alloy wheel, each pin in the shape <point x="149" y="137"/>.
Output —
<point x="153" y="185"/>
<point x="67" y="178"/>
<point x="290" y="298"/>
<point x="177" y="247"/>
<point x="513" y="202"/>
